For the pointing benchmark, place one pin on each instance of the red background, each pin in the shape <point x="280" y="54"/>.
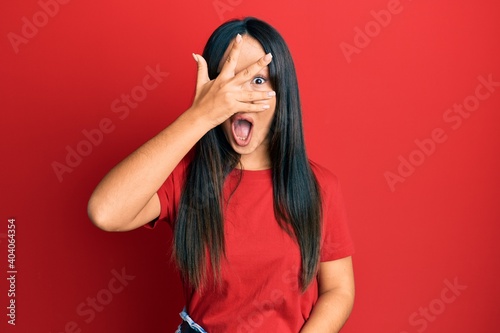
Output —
<point x="439" y="226"/>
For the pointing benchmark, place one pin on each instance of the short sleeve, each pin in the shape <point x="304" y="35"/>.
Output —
<point x="170" y="194"/>
<point x="336" y="242"/>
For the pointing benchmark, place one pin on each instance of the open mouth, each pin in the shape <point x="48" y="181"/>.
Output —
<point x="242" y="130"/>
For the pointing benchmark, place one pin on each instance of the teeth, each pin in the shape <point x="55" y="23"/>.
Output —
<point x="239" y="137"/>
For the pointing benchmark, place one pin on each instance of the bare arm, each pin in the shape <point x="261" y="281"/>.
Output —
<point x="126" y="197"/>
<point x="336" y="297"/>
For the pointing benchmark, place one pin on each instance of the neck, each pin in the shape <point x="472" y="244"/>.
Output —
<point x="248" y="162"/>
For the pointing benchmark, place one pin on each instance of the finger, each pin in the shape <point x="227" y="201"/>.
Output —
<point x="255" y="96"/>
<point x="251" y="107"/>
<point x="253" y="69"/>
<point x="202" y="77"/>
<point x="229" y="65"/>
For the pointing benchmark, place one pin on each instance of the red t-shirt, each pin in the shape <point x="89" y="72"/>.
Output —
<point x="260" y="290"/>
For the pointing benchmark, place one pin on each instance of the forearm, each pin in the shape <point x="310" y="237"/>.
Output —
<point x="125" y="198"/>
<point x="128" y="187"/>
<point x="330" y="312"/>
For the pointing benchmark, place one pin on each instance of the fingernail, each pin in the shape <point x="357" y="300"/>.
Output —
<point x="271" y="93"/>
<point x="195" y="57"/>
<point x="238" y="38"/>
<point x="268" y="57"/>
<point x="266" y="106"/>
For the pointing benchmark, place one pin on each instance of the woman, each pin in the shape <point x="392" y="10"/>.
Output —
<point x="260" y="236"/>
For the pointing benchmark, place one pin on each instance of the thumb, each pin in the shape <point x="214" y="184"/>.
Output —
<point x="202" y="77"/>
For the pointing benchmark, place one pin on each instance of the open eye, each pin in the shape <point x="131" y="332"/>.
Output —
<point x="259" y="80"/>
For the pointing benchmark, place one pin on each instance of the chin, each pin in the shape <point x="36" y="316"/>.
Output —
<point x="244" y="150"/>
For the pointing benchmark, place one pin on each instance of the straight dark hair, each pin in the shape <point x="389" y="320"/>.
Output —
<point x="199" y="228"/>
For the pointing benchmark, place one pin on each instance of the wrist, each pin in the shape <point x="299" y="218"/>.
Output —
<point x="198" y="120"/>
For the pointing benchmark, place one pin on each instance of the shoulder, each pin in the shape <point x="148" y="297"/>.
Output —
<point x="181" y="169"/>
<point x="326" y="179"/>
<point x="175" y="181"/>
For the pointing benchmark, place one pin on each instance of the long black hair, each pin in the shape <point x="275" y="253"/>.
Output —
<point x="199" y="229"/>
